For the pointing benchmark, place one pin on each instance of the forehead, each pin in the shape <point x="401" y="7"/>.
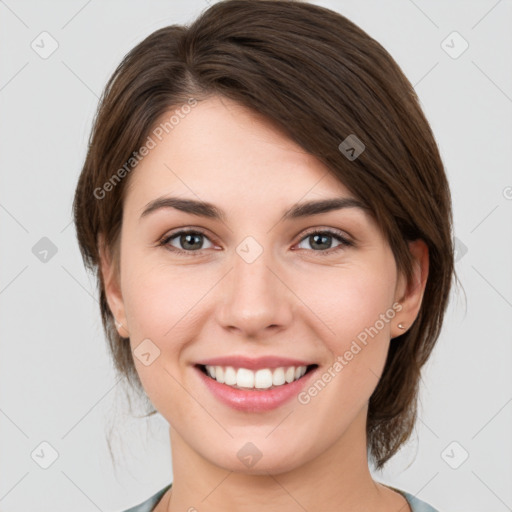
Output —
<point x="220" y="150"/>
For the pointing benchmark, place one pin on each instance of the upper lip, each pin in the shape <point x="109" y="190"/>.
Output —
<point x="253" y="363"/>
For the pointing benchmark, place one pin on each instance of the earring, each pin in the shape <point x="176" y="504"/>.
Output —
<point x="118" y="324"/>
<point x="401" y="326"/>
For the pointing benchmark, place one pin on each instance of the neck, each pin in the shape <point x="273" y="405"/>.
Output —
<point x="337" y="479"/>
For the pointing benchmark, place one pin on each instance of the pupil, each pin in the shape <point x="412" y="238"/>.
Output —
<point x="321" y="237"/>
<point x="187" y="237"/>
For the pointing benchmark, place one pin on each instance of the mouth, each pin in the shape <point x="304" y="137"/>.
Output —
<point x="257" y="380"/>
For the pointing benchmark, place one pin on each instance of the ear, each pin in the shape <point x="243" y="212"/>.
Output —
<point x="410" y="295"/>
<point x="112" y="288"/>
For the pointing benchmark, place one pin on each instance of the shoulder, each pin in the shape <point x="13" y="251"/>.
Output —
<point x="416" y="504"/>
<point x="150" y="503"/>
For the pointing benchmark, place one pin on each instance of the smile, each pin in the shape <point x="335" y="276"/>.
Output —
<point x="264" y="378"/>
<point x="258" y="390"/>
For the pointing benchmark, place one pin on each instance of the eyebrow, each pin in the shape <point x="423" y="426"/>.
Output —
<point x="205" y="209"/>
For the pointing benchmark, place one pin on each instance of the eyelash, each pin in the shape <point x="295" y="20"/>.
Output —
<point x="334" y="233"/>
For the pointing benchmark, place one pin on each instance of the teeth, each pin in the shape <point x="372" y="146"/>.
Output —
<point x="278" y="377"/>
<point x="263" y="379"/>
<point x="244" y="378"/>
<point x="260" y="379"/>
<point x="230" y="376"/>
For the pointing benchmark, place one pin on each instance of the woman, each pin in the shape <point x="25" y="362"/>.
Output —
<point x="266" y="210"/>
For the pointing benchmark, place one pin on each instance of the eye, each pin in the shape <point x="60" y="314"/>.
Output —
<point x="322" y="239"/>
<point x="189" y="240"/>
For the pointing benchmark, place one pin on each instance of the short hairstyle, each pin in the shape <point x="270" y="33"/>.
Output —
<point x="319" y="78"/>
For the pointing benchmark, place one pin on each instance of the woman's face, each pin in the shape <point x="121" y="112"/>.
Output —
<point x="298" y="290"/>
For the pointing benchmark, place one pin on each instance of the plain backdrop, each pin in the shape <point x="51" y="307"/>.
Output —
<point x="59" y="396"/>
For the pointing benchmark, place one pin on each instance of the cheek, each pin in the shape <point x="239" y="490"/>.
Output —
<point x="160" y="301"/>
<point x="353" y="314"/>
<point x="159" y="306"/>
<point x="349" y="300"/>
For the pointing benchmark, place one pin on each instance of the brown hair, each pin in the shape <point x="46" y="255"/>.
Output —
<point x="320" y="78"/>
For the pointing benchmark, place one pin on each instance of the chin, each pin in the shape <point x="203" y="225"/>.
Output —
<point x="249" y="460"/>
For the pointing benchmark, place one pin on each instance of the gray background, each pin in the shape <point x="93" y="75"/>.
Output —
<point x="56" y="381"/>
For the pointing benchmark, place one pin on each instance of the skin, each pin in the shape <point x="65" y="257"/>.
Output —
<point x="294" y="300"/>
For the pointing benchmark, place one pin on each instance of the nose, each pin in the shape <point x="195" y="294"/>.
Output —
<point x="255" y="299"/>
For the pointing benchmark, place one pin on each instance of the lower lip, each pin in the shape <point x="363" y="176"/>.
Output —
<point x="258" y="400"/>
